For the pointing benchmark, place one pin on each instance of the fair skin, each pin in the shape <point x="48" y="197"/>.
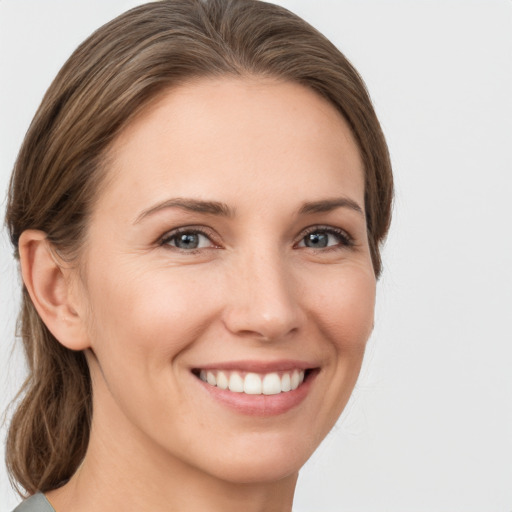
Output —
<point x="271" y="276"/>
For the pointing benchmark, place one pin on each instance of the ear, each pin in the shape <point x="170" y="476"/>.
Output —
<point x="50" y="285"/>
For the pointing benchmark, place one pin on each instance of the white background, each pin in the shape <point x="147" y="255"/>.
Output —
<point x="430" y="425"/>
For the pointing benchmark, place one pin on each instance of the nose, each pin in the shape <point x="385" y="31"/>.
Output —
<point x="263" y="299"/>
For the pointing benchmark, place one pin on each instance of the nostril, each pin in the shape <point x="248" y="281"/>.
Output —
<point x="265" y="328"/>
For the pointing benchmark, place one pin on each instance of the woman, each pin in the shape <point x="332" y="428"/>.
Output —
<point x="197" y="209"/>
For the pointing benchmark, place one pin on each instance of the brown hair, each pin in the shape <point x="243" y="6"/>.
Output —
<point x="109" y="79"/>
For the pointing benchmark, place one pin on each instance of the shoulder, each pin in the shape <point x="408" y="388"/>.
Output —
<point x="36" y="503"/>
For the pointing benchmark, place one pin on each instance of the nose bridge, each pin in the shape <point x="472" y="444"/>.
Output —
<point x="264" y="301"/>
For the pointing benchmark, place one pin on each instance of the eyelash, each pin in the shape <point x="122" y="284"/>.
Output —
<point x="346" y="241"/>
<point x="189" y="230"/>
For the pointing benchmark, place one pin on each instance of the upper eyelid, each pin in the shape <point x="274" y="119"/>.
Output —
<point x="346" y="240"/>
<point x="203" y="230"/>
<point x="323" y="227"/>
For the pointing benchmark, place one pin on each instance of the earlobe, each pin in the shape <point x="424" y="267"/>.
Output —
<point x="48" y="283"/>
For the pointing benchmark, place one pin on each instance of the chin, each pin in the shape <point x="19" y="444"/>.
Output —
<point x="260" y="470"/>
<point x="262" y="460"/>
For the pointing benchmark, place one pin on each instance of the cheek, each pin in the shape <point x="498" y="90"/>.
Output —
<point x="148" y="315"/>
<point x="345" y="309"/>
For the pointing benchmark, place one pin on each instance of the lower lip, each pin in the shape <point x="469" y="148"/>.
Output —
<point x="261" y="405"/>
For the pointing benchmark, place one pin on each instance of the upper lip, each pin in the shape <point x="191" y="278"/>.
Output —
<point x="259" y="366"/>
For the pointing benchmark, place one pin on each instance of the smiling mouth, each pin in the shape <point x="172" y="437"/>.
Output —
<point x="250" y="383"/>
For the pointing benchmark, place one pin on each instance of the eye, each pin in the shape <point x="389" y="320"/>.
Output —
<point x="322" y="238"/>
<point x="187" y="240"/>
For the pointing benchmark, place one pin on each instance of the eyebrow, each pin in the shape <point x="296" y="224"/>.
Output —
<point x="327" y="205"/>
<point x="192" y="205"/>
<point x="223" y="210"/>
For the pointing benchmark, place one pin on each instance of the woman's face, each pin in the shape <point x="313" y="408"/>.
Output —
<point x="228" y="244"/>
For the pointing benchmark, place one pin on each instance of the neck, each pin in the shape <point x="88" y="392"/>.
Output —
<point x="128" y="483"/>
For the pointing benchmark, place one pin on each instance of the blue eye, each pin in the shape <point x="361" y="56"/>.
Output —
<point x="324" y="238"/>
<point x="188" y="240"/>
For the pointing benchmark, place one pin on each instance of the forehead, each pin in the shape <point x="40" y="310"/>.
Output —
<point x="235" y="138"/>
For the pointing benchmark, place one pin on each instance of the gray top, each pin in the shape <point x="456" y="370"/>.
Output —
<point x="36" y="503"/>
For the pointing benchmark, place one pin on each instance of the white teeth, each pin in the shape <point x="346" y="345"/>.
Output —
<point x="210" y="378"/>
<point x="253" y="383"/>
<point x="286" y="384"/>
<point x="295" y="380"/>
<point x="236" y="383"/>
<point x="222" y="381"/>
<point x="271" y="384"/>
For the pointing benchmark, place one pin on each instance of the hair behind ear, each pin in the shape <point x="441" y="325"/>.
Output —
<point x="49" y="432"/>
